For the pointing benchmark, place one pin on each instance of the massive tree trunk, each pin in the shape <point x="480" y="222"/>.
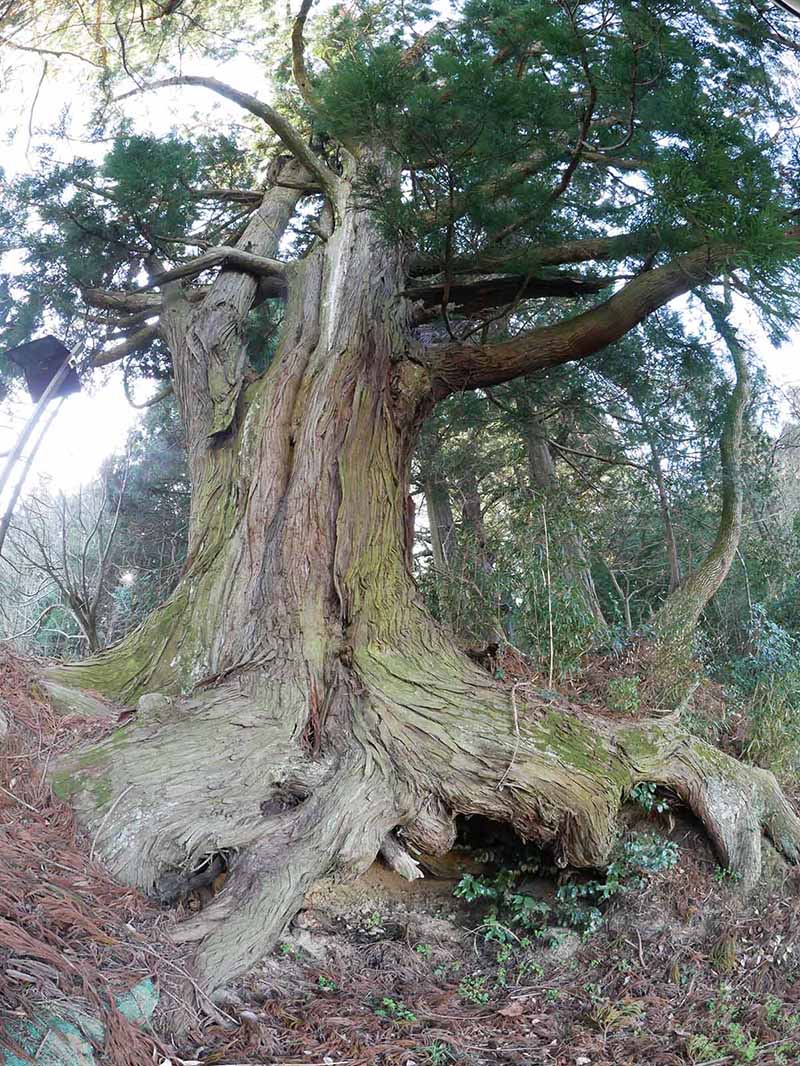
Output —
<point x="317" y="713"/>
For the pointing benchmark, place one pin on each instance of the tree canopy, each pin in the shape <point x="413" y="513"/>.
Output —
<point x="555" y="151"/>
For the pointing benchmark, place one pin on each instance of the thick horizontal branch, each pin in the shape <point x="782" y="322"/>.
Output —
<point x="138" y="341"/>
<point x="496" y="292"/>
<point x="248" y="263"/>
<point x="229" y="196"/>
<point x="126" y="322"/>
<point x="112" y="300"/>
<point x="464" y="366"/>
<point x="291" y="138"/>
<point x="520" y="258"/>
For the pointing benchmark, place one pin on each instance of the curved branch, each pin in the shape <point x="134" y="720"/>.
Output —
<point x="462" y="366"/>
<point x="678" y="616"/>
<point x="162" y="394"/>
<point x="292" y="139"/>
<point x="299" y="69"/>
<point x="259" y="265"/>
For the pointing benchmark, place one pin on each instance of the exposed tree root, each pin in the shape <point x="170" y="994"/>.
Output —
<point x="226" y="770"/>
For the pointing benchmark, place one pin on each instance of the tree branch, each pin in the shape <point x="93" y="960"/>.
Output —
<point x="462" y="366"/>
<point x="111" y="300"/>
<point x="585" y="250"/>
<point x="259" y="265"/>
<point x="139" y="340"/>
<point x="299" y="70"/>
<point x="601" y="159"/>
<point x="162" y="394"/>
<point x="494" y="187"/>
<point x="496" y="292"/>
<point x="229" y="196"/>
<point x="290" y="137"/>
<point x="679" y="614"/>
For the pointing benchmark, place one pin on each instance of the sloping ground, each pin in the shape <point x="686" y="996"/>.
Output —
<point x="380" y="972"/>
<point x="683" y="972"/>
<point x="71" y="939"/>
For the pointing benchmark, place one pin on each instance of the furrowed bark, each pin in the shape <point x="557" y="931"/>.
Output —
<point x="315" y="706"/>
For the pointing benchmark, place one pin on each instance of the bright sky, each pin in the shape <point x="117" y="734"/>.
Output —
<point x="94" y="424"/>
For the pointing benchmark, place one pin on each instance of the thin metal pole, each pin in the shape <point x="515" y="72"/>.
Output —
<point x="5" y="521"/>
<point x="38" y="411"/>
<point x="16" y="452"/>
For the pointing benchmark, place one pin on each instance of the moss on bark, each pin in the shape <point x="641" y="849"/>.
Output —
<point x="309" y="667"/>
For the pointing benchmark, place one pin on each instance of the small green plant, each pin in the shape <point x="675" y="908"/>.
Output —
<point x="373" y="921"/>
<point x="700" y="1048"/>
<point x="578" y="904"/>
<point x="724" y="875"/>
<point x="552" y="995"/>
<point x="394" y="1009"/>
<point x="326" y="984"/>
<point x="729" y="1040"/>
<point x="528" y="968"/>
<point x="423" y="949"/>
<point x="439" y="1053"/>
<point x="745" y="1046"/>
<point x="473" y="990"/>
<point x="286" y="951"/>
<point x="623" y="694"/>
<point x="645" y="795"/>
<point x="594" y="991"/>
<point x="773" y="1009"/>
<point x="471" y="888"/>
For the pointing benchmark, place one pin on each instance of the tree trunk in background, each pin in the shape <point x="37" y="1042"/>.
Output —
<point x="677" y="619"/>
<point x="543" y="479"/>
<point x="666" y="516"/>
<point x="477" y="562"/>
<point x="473" y="528"/>
<point x="441" y="521"/>
<point x="312" y="712"/>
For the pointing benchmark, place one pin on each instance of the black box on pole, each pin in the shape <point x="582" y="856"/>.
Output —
<point x="40" y="361"/>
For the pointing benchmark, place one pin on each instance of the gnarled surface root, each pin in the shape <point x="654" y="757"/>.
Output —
<point x="226" y="770"/>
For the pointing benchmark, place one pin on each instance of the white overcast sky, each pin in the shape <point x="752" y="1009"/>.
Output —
<point x="94" y="424"/>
